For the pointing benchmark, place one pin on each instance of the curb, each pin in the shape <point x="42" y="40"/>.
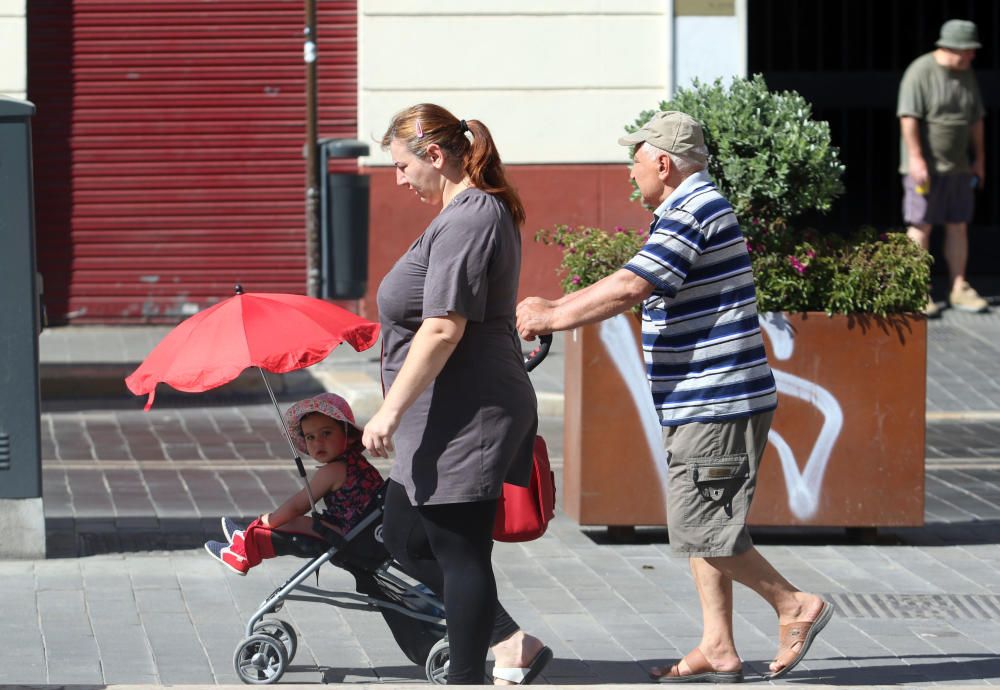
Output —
<point x="70" y="382"/>
<point x="62" y="383"/>
<point x="364" y="393"/>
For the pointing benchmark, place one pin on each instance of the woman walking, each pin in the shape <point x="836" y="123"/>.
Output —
<point x="459" y="410"/>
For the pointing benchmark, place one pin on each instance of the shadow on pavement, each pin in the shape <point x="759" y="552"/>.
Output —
<point x="76" y="538"/>
<point x="939" y="668"/>
<point x="962" y="533"/>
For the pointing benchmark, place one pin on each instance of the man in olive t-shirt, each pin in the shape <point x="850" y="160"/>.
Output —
<point x="941" y="122"/>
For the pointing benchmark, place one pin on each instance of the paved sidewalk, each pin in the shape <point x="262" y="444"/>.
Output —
<point x="127" y="596"/>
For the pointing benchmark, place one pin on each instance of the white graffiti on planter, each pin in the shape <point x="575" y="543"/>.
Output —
<point x="803" y="487"/>
<point x="616" y="335"/>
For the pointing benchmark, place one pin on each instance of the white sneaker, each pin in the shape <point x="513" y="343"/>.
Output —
<point x="965" y="298"/>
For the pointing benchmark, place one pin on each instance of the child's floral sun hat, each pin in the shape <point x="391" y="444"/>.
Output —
<point x="330" y="404"/>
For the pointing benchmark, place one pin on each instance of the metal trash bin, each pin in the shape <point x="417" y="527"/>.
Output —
<point x="343" y="223"/>
<point x="22" y="519"/>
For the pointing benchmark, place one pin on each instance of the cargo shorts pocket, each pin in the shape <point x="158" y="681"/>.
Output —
<point x="722" y="482"/>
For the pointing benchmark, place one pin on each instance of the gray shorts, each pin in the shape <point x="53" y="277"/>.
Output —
<point x="950" y="200"/>
<point x="711" y="481"/>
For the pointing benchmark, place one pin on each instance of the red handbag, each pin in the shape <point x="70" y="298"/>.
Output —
<point x="523" y="512"/>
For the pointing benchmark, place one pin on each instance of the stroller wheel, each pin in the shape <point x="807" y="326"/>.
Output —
<point x="260" y="659"/>
<point x="282" y="631"/>
<point x="436" y="666"/>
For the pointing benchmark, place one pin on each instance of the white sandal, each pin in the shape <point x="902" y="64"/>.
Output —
<point x="524" y="676"/>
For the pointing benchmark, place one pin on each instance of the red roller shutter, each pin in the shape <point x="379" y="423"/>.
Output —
<point x="168" y="148"/>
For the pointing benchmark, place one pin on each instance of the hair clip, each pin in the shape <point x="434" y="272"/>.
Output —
<point x="420" y="131"/>
<point x="463" y="126"/>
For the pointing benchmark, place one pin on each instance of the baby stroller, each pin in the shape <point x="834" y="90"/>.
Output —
<point x="415" y="616"/>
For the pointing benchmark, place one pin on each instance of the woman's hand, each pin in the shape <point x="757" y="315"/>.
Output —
<point x="377" y="436"/>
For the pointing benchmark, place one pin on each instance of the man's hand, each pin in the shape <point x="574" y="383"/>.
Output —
<point x="918" y="170"/>
<point x="533" y="317"/>
<point x="979" y="170"/>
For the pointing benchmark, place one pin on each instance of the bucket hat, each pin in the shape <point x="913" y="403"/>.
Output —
<point x="959" y="34"/>
<point x="330" y="404"/>
<point x="673" y="132"/>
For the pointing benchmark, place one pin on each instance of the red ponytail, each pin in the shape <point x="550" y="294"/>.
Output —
<point x="426" y="123"/>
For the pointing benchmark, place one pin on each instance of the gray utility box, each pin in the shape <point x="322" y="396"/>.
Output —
<point x="22" y="520"/>
<point x="344" y="223"/>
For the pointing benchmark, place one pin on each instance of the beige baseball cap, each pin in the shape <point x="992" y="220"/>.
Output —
<point x="672" y="131"/>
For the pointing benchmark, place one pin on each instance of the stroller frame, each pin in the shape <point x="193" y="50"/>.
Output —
<point x="263" y="656"/>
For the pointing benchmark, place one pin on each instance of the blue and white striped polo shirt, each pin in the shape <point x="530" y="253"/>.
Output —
<point x="701" y="338"/>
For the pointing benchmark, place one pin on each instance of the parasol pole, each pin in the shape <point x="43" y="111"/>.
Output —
<point x="288" y="437"/>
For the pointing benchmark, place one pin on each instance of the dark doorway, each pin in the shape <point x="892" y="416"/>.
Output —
<point x="846" y="57"/>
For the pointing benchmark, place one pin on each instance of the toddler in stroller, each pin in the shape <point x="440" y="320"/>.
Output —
<point x="347" y="533"/>
<point x="324" y="428"/>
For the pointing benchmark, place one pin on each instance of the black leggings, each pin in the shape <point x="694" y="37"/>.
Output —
<point x="448" y="548"/>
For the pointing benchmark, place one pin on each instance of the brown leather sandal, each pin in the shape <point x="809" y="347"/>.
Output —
<point x="702" y="671"/>
<point x="803" y="632"/>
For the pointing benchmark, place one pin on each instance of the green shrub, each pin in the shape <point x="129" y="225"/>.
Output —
<point x="589" y="254"/>
<point x="768" y="156"/>
<point x="868" y="273"/>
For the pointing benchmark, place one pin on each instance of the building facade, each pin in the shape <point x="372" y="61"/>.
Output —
<point x="169" y="133"/>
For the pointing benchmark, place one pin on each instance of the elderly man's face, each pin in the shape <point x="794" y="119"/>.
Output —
<point x="959" y="60"/>
<point x="646" y="173"/>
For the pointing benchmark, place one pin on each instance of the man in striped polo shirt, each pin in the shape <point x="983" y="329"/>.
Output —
<point x="711" y="385"/>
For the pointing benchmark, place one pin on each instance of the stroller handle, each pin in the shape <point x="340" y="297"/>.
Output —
<point x="536" y="356"/>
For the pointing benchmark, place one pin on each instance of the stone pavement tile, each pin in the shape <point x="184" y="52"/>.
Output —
<point x="69" y="637"/>
<point x="610" y="663"/>
<point x="880" y="563"/>
<point x="552" y="601"/>
<point x="208" y="491"/>
<point x="960" y="490"/>
<point x="105" y="578"/>
<point x="934" y="575"/>
<point x="58" y="502"/>
<point x="246" y="491"/>
<point x="980" y="576"/>
<point x="169" y="494"/>
<point x="182" y="450"/>
<point x="129" y="492"/>
<point x="89" y="493"/>
<point x="124" y="653"/>
<point x="179" y="654"/>
<point x="22" y="655"/>
<point x="279" y="484"/>
<point x="846" y="574"/>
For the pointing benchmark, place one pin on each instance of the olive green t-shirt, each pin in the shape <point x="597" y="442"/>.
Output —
<point x="946" y="102"/>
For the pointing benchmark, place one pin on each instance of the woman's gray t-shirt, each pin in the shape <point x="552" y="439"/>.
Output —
<point x="474" y="427"/>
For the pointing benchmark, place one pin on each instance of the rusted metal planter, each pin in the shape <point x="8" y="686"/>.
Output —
<point x="846" y="446"/>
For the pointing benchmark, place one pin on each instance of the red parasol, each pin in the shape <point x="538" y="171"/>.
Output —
<point x="272" y="331"/>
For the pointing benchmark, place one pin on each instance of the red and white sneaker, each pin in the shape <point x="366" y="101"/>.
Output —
<point x="234" y="533"/>
<point x="230" y="527"/>
<point x="223" y="553"/>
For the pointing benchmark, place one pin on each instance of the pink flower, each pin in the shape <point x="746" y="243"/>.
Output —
<point x="576" y="280"/>
<point x="619" y="228"/>
<point x="810" y="253"/>
<point x="797" y="265"/>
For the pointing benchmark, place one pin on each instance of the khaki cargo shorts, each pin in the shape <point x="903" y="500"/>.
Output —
<point x="711" y="480"/>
